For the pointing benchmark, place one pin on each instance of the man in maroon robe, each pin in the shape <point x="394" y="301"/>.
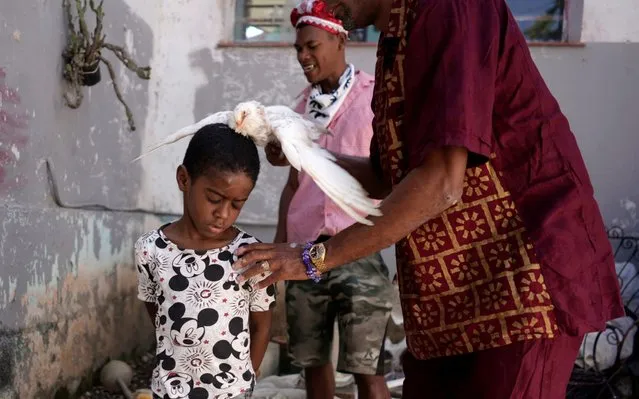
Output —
<point x="502" y="255"/>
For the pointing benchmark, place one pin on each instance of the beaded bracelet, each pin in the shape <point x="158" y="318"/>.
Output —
<point x="311" y="271"/>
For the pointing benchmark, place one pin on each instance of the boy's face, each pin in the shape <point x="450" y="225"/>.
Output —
<point x="214" y="199"/>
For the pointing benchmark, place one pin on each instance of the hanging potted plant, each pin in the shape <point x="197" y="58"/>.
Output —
<point x="83" y="55"/>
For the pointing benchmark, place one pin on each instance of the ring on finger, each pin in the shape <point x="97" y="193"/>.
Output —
<point x="265" y="266"/>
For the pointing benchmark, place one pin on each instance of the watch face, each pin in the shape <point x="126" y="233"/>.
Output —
<point x="316" y="252"/>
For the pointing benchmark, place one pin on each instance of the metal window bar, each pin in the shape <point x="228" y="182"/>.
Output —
<point x="598" y="383"/>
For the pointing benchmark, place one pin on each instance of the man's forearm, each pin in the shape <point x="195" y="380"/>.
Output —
<point x="423" y="194"/>
<point x="362" y="169"/>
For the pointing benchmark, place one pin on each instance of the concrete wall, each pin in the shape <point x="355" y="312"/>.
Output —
<point x="67" y="283"/>
<point x="610" y="21"/>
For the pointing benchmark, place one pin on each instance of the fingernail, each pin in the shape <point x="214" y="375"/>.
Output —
<point x="241" y="279"/>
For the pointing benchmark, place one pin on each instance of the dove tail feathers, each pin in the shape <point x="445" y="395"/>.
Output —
<point x="218" y="117"/>
<point x="179" y="135"/>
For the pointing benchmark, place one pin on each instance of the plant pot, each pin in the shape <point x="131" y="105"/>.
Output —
<point x="90" y="75"/>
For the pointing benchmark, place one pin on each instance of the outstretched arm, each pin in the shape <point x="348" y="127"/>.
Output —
<point x="424" y="193"/>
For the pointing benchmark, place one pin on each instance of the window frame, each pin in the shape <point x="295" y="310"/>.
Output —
<point x="571" y="30"/>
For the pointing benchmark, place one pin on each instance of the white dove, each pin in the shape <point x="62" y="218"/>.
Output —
<point x="296" y="135"/>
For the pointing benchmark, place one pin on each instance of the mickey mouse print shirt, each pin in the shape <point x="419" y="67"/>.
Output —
<point x="202" y="322"/>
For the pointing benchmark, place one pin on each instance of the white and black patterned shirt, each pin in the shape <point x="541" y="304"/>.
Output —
<point x="202" y="328"/>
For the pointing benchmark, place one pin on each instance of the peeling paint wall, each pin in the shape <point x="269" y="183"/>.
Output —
<point x="67" y="282"/>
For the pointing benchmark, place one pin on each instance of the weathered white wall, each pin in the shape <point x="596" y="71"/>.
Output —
<point x="185" y="51"/>
<point x="67" y="281"/>
<point x="610" y="21"/>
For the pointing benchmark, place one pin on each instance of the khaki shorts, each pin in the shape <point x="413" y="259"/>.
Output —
<point x="359" y="296"/>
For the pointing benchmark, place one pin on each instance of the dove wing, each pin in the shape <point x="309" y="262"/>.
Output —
<point x="282" y="112"/>
<point x="218" y="117"/>
<point x="305" y="155"/>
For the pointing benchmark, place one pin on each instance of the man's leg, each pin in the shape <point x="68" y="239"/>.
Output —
<point x="538" y="369"/>
<point x="362" y="292"/>
<point x="435" y="378"/>
<point x="320" y="382"/>
<point x="310" y="334"/>
<point x="371" y="386"/>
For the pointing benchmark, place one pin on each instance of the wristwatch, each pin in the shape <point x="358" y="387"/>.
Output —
<point x="317" y="254"/>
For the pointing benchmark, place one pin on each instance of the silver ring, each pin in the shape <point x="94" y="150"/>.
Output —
<point x="265" y="266"/>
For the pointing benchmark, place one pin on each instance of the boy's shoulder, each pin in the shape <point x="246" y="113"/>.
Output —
<point x="147" y="239"/>
<point x="245" y="238"/>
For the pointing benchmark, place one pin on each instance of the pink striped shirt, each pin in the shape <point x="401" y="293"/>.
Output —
<point x="311" y="213"/>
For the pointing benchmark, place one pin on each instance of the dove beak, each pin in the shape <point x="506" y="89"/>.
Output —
<point x="238" y="123"/>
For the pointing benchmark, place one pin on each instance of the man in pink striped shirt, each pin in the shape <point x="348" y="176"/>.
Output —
<point x="358" y="294"/>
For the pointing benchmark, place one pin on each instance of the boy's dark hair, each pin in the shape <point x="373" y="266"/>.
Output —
<point x="220" y="148"/>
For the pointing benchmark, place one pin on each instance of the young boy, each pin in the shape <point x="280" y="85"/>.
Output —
<point x="211" y="332"/>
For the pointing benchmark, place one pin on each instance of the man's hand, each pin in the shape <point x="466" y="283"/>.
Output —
<point x="284" y="262"/>
<point x="275" y="155"/>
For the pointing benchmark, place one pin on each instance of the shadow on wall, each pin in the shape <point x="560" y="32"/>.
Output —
<point x="206" y="94"/>
<point x="266" y="76"/>
<point x="97" y="145"/>
<point x="67" y="283"/>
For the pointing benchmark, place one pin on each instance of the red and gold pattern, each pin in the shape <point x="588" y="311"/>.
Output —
<point x="469" y="279"/>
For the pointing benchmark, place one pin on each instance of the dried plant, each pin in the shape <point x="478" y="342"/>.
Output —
<point x="83" y="54"/>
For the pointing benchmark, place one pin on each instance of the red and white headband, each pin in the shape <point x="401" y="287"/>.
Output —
<point x="316" y="13"/>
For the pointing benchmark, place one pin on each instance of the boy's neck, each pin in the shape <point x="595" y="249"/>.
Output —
<point x="184" y="234"/>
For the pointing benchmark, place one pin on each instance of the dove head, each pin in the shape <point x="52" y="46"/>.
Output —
<point x="249" y="117"/>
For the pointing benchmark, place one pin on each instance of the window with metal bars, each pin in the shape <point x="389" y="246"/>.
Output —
<point x="268" y="21"/>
